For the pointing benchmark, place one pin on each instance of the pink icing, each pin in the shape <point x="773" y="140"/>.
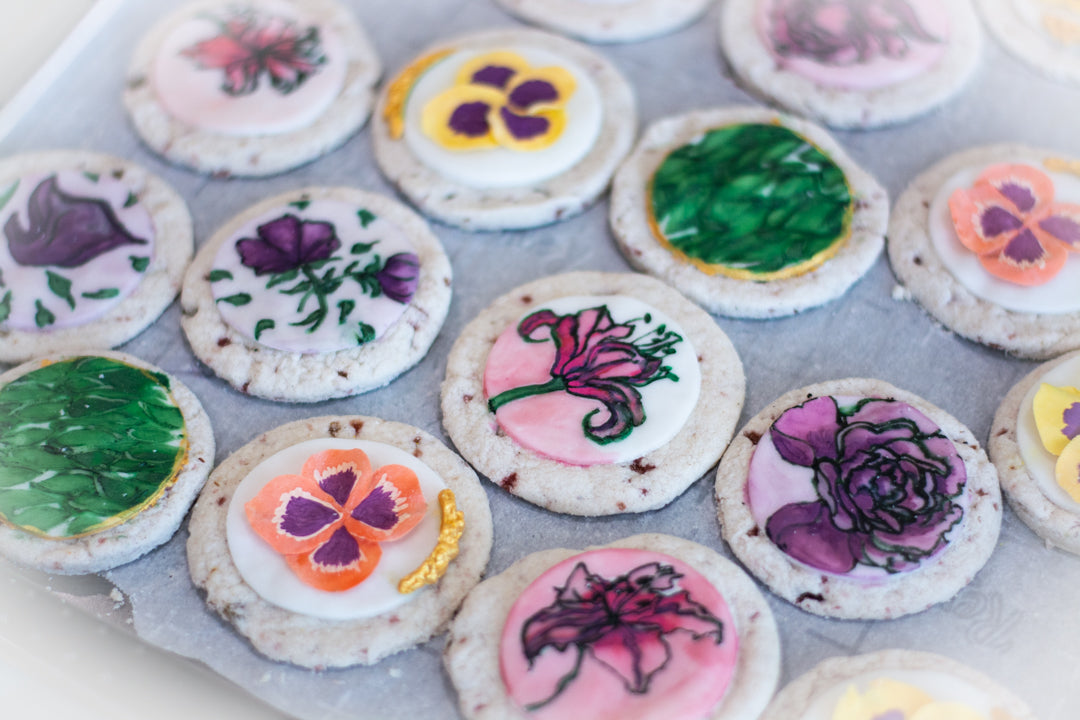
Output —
<point x="878" y="71"/>
<point x="693" y="681"/>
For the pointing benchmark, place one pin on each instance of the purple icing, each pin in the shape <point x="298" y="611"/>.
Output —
<point x="1019" y="195"/>
<point x="377" y="509"/>
<point x="494" y="75"/>
<point x="1071" y="417"/>
<point x="338" y="485"/>
<point x="287" y="243"/>
<point x="524" y="127"/>
<point x="1024" y="248"/>
<point x="470" y="119"/>
<point x="341" y="550"/>
<point x="890" y="715"/>
<point x="1063" y="228"/>
<point x="997" y="220"/>
<point x="533" y="92"/>
<point x="400" y="277"/>
<point x="305" y="517"/>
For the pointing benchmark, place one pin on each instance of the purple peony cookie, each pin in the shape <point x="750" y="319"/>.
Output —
<point x="855" y="499"/>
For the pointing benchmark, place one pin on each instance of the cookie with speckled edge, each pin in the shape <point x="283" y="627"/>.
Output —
<point x="878" y="567"/>
<point x="813" y="695"/>
<point x="569" y="143"/>
<point x="377" y="256"/>
<point x="472" y="655"/>
<point x="119" y="267"/>
<point x="608" y="22"/>
<point x="167" y="404"/>
<point x="193" y="102"/>
<point x="824" y="74"/>
<point x="573" y="434"/>
<point x="317" y="642"/>
<point x="926" y="261"/>
<point x="856" y="242"/>
<point x="1040" y="33"/>
<point x="1025" y="467"/>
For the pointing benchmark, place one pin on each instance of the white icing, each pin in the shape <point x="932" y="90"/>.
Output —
<point x="501" y="167"/>
<point x="1038" y="461"/>
<point x="266" y="571"/>
<point x="1055" y="297"/>
<point x="110" y="270"/>
<point x="194" y="96"/>
<point x="379" y="312"/>
<point x="940" y="686"/>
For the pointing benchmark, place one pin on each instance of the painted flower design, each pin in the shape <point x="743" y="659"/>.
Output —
<point x="399" y="277"/>
<point x="328" y="521"/>
<point x="1057" y="418"/>
<point x="885" y="477"/>
<point x="621" y="623"/>
<point x="888" y="699"/>
<point x="846" y="32"/>
<point x="287" y="243"/>
<point x="249" y="45"/>
<point x="1010" y="220"/>
<point x="500" y="100"/>
<point x="599" y="359"/>
<point x="64" y="230"/>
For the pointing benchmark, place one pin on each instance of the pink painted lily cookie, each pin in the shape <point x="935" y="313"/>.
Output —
<point x="92" y="251"/>
<point x="895" y="684"/>
<point x="316" y="293"/>
<point x="251" y="88"/>
<point x="855" y="499"/>
<point x="338" y="541"/>
<point x="589" y="393"/>
<point x="1043" y="33"/>
<point x="852" y="63"/>
<point x="504" y="129"/>
<point x="647" y="628"/>
<point x="1032" y="444"/>
<point x="988" y="242"/>
<point x="608" y="21"/>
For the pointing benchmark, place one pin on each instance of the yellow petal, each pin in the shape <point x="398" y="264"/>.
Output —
<point x="851" y="706"/>
<point x="442" y="117"/>
<point x="1049" y="406"/>
<point x="560" y="79"/>
<point x="886" y="694"/>
<point x="946" y="711"/>
<point x="555" y="120"/>
<point x="1067" y="469"/>
<point x="511" y="62"/>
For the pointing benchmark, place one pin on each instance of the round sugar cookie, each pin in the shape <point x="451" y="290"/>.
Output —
<point x="255" y="588"/>
<point x="504" y="129"/>
<point x="749" y="212"/>
<point x="1048" y="503"/>
<point x="316" y="293"/>
<point x="93" y="251"/>
<point x="854" y="499"/>
<point x="102" y="457"/>
<point x="608" y="21"/>
<point x="251" y="88"/>
<point x="709" y="649"/>
<point x="932" y="681"/>
<point x="592" y="393"/>
<point x="954" y="284"/>
<point x="852" y="63"/>
<point x="1043" y="33"/>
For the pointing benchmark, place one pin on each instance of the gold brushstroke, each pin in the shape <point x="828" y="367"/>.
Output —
<point x="397" y="92"/>
<point x="1061" y="165"/>
<point x="1066" y="32"/>
<point x="434" y="567"/>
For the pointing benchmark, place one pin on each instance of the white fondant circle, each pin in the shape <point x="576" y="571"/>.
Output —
<point x="1038" y="460"/>
<point x="266" y="571"/>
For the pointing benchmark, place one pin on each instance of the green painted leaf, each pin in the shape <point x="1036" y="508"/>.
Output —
<point x="5" y="306"/>
<point x="301" y="204"/>
<point x="262" y="326"/>
<point x="237" y="300"/>
<point x="92" y="176"/>
<point x="132" y="199"/>
<point x="345" y="308"/>
<point x="61" y="287"/>
<point x="366" y="217"/>
<point x="365" y="333"/>
<point x="280" y="278"/>
<point x="139" y="264"/>
<point x="102" y="294"/>
<point x="362" y="248"/>
<point x="5" y="198"/>
<point x="43" y="317"/>
<point x="218" y="275"/>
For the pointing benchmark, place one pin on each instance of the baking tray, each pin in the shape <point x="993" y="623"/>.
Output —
<point x="1016" y="621"/>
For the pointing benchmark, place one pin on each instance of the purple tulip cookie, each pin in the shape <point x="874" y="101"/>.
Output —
<point x="317" y="293"/>
<point x="1043" y="33"/>
<point x="252" y="88"/>
<point x="102" y="457"/>
<point x="504" y="129"/>
<point x="338" y="541"/>
<point x="93" y="251"/>
<point x="608" y="21"/>
<point x="855" y="499"/>
<point x="586" y="393"/>
<point x="649" y="627"/>
<point x="852" y="63"/>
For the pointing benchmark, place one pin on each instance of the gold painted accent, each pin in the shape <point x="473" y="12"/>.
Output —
<point x="450" y="531"/>
<point x="1066" y="32"/>
<point x="397" y="92"/>
<point x="1061" y="165"/>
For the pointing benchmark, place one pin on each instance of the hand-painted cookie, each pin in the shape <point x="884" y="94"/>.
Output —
<point x="92" y="251"/>
<point x="650" y="627"/>
<point x="337" y="541"/>
<point x="100" y="458"/>
<point x="748" y="212"/>
<point x="588" y="393"/>
<point x="251" y="88"/>
<point x="504" y="129"/>
<point x="608" y="21"/>
<point x="854" y="499"/>
<point x="852" y="63"/>
<point x="315" y="294"/>
<point x="987" y="239"/>
<point x="895" y="684"/>
<point x="1043" y="33"/>
<point x="1031" y="444"/>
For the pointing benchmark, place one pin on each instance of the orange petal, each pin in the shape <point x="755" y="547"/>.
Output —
<point x="975" y="215"/>
<point x="340" y="563"/>
<point x="292" y="514"/>
<point x="394" y="506"/>
<point x="1027" y="272"/>
<point x="344" y="475"/>
<point x="1027" y="189"/>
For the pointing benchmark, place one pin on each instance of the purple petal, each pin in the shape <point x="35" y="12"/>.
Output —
<point x="1063" y="228"/>
<point x="1024" y="249"/>
<point x="470" y="119"/>
<point x="533" y="92"/>
<point x="494" y="75"/>
<point x="807" y="431"/>
<point x="377" y="509"/>
<point x="304" y="516"/>
<point x="1019" y="195"/>
<point x="340" y="550"/>
<point x="805" y="532"/>
<point x="524" y="127"/>
<point x="400" y="277"/>
<point x="996" y="220"/>
<point x="1072" y="421"/>
<point x="634" y="654"/>
<point x="338" y="485"/>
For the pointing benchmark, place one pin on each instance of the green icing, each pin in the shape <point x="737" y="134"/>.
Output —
<point x="754" y="199"/>
<point x="85" y="444"/>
